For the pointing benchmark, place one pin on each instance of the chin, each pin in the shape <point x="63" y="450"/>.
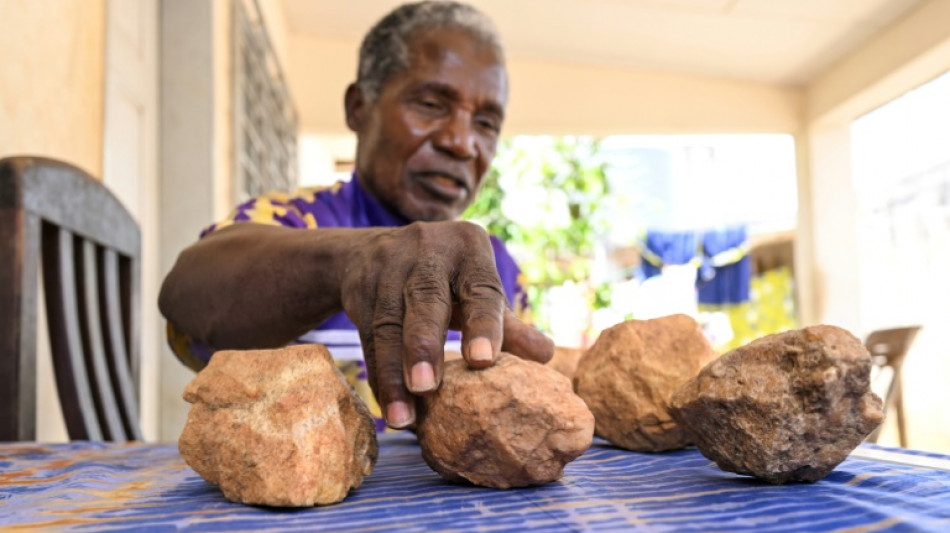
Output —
<point x="431" y="213"/>
<point x="434" y="216"/>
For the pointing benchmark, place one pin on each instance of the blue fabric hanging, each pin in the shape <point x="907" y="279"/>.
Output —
<point x="668" y="248"/>
<point x="727" y="252"/>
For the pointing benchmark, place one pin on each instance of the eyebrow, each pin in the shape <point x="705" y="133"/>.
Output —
<point x="449" y="92"/>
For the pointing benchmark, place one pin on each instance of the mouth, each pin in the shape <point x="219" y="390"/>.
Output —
<point x="442" y="185"/>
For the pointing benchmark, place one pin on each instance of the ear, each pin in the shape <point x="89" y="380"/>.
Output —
<point x="355" y="106"/>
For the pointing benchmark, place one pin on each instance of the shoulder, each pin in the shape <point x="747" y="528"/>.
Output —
<point x="316" y="205"/>
<point x="302" y="208"/>
<point x="315" y="193"/>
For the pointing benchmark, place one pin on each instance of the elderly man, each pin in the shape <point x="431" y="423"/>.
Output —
<point x="381" y="254"/>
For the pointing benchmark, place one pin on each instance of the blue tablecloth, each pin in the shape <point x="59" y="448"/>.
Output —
<point x="142" y="487"/>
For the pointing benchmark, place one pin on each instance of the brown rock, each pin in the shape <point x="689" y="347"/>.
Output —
<point x="514" y="424"/>
<point x="786" y="407"/>
<point x="278" y="427"/>
<point x="630" y="373"/>
<point x="565" y="360"/>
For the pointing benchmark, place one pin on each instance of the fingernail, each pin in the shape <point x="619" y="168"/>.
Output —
<point x="480" y="349"/>
<point x="398" y="415"/>
<point x="423" y="378"/>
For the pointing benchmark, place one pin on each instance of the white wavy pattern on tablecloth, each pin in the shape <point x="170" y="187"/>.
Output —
<point x="344" y="344"/>
<point x="100" y="487"/>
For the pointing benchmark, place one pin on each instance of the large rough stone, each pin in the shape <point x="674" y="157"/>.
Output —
<point x="514" y="424"/>
<point x="786" y="407"/>
<point x="278" y="427"/>
<point x="630" y="373"/>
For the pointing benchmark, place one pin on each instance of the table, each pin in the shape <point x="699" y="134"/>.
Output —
<point x="91" y="486"/>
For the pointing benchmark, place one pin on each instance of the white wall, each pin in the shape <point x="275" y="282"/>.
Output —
<point x="558" y="98"/>
<point x="52" y="83"/>
<point x="195" y="154"/>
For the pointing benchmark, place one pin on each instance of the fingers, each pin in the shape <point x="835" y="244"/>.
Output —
<point x="428" y="300"/>
<point x="526" y="341"/>
<point x="397" y="404"/>
<point x="482" y="303"/>
<point x="415" y="280"/>
<point x="409" y="324"/>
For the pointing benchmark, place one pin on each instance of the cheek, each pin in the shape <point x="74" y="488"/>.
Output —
<point x="390" y="158"/>
<point x="404" y="133"/>
<point x="486" y="155"/>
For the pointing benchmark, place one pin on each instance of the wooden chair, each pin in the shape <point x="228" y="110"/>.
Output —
<point x="888" y="348"/>
<point x="59" y="224"/>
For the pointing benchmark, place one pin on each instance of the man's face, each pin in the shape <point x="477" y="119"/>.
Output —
<point x="428" y="139"/>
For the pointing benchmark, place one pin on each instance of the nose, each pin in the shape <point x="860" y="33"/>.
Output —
<point x="456" y="136"/>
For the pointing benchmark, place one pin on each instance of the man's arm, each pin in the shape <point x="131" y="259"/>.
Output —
<point x="255" y="286"/>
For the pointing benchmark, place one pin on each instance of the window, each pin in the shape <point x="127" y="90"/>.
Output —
<point x="265" y="120"/>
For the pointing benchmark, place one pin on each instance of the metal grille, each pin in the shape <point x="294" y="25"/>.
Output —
<point x="265" y="120"/>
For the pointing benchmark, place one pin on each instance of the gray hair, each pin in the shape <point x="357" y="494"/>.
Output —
<point x="385" y="49"/>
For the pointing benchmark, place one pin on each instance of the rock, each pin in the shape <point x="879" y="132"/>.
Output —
<point x="278" y="427"/>
<point x="630" y="373"/>
<point x="786" y="407"/>
<point x="514" y="424"/>
<point x="565" y="360"/>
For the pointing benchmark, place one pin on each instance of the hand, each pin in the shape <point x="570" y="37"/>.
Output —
<point x="407" y="287"/>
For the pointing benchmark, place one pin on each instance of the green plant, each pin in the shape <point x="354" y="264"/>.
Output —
<point x="543" y="198"/>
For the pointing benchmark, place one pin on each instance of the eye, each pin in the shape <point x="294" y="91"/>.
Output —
<point x="488" y="124"/>
<point x="429" y="105"/>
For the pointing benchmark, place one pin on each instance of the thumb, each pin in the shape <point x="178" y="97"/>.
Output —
<point x="525" y="341"/>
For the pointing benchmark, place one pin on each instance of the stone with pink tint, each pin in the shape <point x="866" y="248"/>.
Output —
<point x="783" y="408"/>
<point x="565" y="360"/>
<point x="630" y="373"/>
<point x="278" y="427"/>
<point x="514" y="424"/>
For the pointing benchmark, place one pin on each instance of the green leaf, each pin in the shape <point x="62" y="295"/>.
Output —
<point x="547" y="178"/>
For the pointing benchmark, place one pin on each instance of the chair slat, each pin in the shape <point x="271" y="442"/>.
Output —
<point x="72" y="381"/>
<point x="116" y="344"/>
<point x="130" y="283"/>
<point x="19" y="264"/>
<point x="87" y="277"/>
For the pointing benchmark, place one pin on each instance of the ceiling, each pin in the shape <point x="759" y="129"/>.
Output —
<point x="783" y="42"/>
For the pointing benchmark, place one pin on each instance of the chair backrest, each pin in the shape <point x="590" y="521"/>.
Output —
<point x="889" y="346"/>
<point x="59" y="224"/>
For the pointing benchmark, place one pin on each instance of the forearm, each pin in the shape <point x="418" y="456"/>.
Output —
<point x="251" y="285"/>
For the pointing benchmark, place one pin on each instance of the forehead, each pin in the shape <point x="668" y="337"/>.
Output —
<point x="455" y="58"/>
